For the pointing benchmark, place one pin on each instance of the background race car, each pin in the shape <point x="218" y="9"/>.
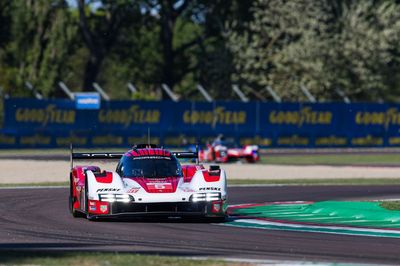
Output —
<point x="222" y="151"/>
<point x="148" y="181"/>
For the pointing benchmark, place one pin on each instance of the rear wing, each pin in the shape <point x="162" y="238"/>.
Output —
<point x="118" y="155"/>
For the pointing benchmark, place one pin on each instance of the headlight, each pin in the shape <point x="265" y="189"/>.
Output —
<point x="210" y="196"/>
<point x="116" y="197"/>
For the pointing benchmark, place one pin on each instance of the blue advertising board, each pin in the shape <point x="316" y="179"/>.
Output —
<point x="55" y="123"/>
<point x="87" y="100"/>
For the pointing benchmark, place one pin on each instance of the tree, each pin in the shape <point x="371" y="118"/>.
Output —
<point x="136" y="57"/>
<point x="100" y="28"/>
<point x="5" y="22"/>
<point x="261" y="50"/>
<point x="323" y="45"/>
<point x="215" y="59"/>
<point x="40" y="35"/>
<point x="179" y="33"/>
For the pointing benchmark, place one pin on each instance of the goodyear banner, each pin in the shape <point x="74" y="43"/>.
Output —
<point x="56" y="123"/>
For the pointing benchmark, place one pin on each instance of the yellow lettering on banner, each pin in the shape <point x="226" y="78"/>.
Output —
<point x="367" y="141"/>
<point x="331" y="141"/>
<point x="107" y="140"/>
<point x="394" y="141"/>
<point x="293" y="141"/>
<point x="45" y="116"/>
<point x="35" y="140"/>
<point x="66" y="141"/>
<point x="179" y="140"/>
<point x="7" y="140"/>
<point x="257" y="140"/>
<point x="198" y="117"/>
<point x="305" y="116"/>
<point x="390" y="117"/>
<point x="126" y="117"/>
<point x="219" y="115"/>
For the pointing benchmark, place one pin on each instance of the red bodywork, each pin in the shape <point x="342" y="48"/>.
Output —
<point x="78" y="177"/>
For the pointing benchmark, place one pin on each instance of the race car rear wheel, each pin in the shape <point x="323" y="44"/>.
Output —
<point x="71" y="201"/>
<point x="215" y="219"/>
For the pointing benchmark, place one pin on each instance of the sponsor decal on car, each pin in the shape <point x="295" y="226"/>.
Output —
<point x="210" y="188"/>
<point x="151" y="157"/>
<point x="187" y="189"/>
<point x="107" y="189"/>
<point x="133" y="190"/>
<point x="159" y="186"/>
<point x="103" y="208"/>
<point x="216" y="207"/>
<point x="159" y="180"/>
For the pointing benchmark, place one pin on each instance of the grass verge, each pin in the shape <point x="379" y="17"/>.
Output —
<point x="333" y="159"/>
<point x="96" y="258"/>
<point x="392" y="159"/>
<point x="391" y="205"/>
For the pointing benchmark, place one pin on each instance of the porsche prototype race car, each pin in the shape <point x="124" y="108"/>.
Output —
<point x="222" y="151"/>
<point x="148" y="181"/>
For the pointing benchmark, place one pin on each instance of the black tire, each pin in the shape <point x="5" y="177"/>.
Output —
<point x="71" y="202"/>
<point x="207" y="219"/>
<point x="216" y="219"/>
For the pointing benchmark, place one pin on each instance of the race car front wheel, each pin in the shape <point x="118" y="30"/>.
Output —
<point x="88" y="215"/>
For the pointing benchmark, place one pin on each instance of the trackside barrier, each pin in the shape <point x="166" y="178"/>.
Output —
<point x="57" y="123"/>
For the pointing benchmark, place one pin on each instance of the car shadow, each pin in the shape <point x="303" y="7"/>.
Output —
<point x="171" y="219"/>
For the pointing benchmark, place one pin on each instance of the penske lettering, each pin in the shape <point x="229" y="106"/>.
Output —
<point x="210" y="188"/>
<point x="107" y="189"/>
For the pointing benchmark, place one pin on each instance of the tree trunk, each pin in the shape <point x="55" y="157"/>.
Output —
<point x="92" y="70"/>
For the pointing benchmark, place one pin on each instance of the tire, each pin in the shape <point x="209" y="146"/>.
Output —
<point x="71" y="202"/>
<point x="207" y="219"/>
<point x="216" y="219"/>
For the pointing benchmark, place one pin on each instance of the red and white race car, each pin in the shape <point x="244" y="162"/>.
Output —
<point x="148" y="181"/>
<point x="222" y="151"/>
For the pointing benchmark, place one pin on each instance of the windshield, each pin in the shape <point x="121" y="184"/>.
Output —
<point x="153" y="168"/>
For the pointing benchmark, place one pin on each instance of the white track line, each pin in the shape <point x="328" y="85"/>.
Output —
<point x="271" y="262"/>
<point x="33" y="187"/>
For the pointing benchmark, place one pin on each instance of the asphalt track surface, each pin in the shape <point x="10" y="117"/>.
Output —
<point x="38" y="219"/>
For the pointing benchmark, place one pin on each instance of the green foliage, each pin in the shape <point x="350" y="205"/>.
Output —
<point x="5" y="19"/>
<point x="335" y="159"/>
<point x="391" y="205"/>
<point x="324" y="45"/>
<point x="41" y="34"/>
<point x="187" y="60"/>
<point x="136" y="58"/>
<point x="98" y="259"/>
